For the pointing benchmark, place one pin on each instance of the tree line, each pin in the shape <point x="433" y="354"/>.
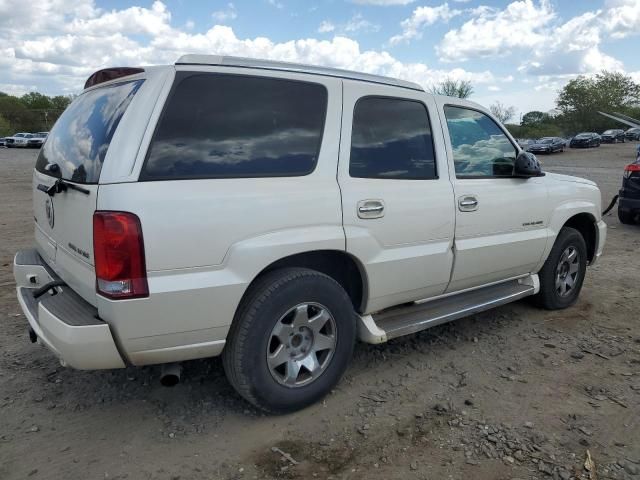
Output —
<point x="32" y="112"/>
<point x="578" y="104"/>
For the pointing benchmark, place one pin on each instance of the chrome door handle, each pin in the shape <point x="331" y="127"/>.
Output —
<point x="377" y="208"/>
<point x="468" y="203"/>
<point x="370" y="208"/>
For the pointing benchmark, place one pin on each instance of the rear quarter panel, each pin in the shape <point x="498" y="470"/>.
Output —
<point x="206" y="240"/>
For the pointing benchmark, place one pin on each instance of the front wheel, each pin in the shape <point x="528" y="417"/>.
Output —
<point x="291" y="340"/>
<point x="562" y="274"/>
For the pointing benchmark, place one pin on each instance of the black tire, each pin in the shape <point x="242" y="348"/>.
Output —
<point x="549" y="297"/>
<point x="245" y="354"/>
<point x="627" y="217"/>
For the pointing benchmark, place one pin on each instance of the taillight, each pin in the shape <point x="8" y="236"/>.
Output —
<point x="630" y="169"/>
<point x="119" y="255"/>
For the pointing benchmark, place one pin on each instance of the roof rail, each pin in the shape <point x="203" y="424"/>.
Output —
<point x="229" y="61"/>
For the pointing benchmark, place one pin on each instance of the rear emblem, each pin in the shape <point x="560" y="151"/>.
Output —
<point x="48" y="207"/>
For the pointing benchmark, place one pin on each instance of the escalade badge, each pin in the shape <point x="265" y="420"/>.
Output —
<point x="48" y="207"/>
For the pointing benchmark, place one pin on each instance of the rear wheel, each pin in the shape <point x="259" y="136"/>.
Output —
<point x="562" y="275"/>
<point x="291" y="340"/>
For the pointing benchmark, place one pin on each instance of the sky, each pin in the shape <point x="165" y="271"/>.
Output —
<point x="519" y="53"/>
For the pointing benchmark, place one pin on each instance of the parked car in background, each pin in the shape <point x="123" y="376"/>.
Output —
<point x="632" y="134"/>
<point x="547" y="145"/>
<point x="585" y="140"/>
<point x="18" y="140"/>
<point x="37" y="139"/>
<point x="368" y="194"/>
<point x="629" y="195"/>
<point x="2" y="142"/>
<point x="613" y="136"/>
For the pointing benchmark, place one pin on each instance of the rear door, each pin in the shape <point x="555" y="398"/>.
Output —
<point x="397" y="200"/>
<point x="72" y="158"/>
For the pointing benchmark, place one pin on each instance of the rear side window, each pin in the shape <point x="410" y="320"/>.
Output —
<point x="229" y="126"/>
<point x="80" y="138"/>
<point x="391" y="139"/>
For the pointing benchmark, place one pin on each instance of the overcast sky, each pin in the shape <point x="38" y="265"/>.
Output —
<point x="518" y="52"/>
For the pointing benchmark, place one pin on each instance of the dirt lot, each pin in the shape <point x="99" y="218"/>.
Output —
<point x="513" y="393"/>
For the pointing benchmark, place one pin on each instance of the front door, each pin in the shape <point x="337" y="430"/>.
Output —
<point x="397" y="199"/>
<point x="501" y="221"/>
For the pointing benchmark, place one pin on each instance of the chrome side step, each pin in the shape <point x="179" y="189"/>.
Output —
<point x="404" y="320"/>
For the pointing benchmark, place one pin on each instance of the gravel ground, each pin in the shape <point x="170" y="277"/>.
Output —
<point x="516" y="392"/>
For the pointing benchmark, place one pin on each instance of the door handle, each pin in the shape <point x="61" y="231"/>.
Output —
<point x="370" y="209"/>
<point x="468" y="203"/>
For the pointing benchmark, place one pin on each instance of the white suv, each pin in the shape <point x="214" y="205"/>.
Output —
<point x="274" y="213"/>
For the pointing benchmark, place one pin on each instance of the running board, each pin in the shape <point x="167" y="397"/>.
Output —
<point x="405" y="320"/>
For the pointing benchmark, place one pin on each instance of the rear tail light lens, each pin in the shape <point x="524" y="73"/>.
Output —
<point x="631" y="169"/>
<point x="119" y="255"/>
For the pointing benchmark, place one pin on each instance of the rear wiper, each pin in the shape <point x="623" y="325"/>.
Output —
<point x="61" y="186"/>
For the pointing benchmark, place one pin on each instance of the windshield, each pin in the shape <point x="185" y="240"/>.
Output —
<point x="546" y="140"/>
<point x="80" y="138"/>
<point x="609" y="132"/>
<point x="583" y="135"/>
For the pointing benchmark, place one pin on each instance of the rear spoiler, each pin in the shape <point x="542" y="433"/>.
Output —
<point x="107" y="74"/>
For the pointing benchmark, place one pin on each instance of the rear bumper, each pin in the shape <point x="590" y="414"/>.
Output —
<point x="628" y="204"/>
<point x="64" y="322"/>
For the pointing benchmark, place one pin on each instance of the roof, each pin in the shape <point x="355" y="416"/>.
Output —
<point x="228" y="61"/>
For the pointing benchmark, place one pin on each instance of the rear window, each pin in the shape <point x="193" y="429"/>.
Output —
<point x="80" y="138"/>
<point x="230" y="126"/>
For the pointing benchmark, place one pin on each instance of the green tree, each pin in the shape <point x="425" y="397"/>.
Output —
<point x="533" y="118"/>
<point x="453" y="88"/>
<point x="5" y="128"/>
<point x="581" y="99"/>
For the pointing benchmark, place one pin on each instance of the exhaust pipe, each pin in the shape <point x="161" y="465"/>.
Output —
<point x="170" y="374"/>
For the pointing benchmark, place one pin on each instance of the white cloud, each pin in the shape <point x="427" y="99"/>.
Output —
<point x="534" y="33"/>
<point x="56" y="59"/>
<point x="383" y="3"/>
<point x="223" y="16"/>
<point x="355" y="24"/>
<point x="276" y="3"/>
<point x="326" y="26"/>
<point x="495" y="32"/>
<point x="622" y="18"/>
<point x="422" y="17"/>
<point x="358" y="23"/>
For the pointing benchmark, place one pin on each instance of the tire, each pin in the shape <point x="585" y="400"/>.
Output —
<point x="554" y="294"/>
<point x="275" y="308"/>
<point x="627" y="217"/>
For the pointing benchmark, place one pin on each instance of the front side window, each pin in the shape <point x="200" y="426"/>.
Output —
<point x="391" y="139"/>
<point x="480" y="147"/>
<point x="231" y="126"/>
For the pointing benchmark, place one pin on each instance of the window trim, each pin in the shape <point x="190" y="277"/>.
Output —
<point x="183" y="75"/>
<point x="505" y="133"/>
<point x="436" y="175"/>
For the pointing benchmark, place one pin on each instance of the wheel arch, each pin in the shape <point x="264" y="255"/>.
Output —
<point x="337" y="264"/>
<point x="586" y="224"/>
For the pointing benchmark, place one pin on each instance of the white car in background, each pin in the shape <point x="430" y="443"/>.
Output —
<point x="18" y="140"/>
<point x="37" y="139"/>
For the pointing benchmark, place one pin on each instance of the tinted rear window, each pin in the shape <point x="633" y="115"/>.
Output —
<point x="391" y="139"/>
<point x="226" y="126"/>
<point x="80" y="138"/>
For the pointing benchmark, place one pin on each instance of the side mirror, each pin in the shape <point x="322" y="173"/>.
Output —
<point x="527" y="165"/>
